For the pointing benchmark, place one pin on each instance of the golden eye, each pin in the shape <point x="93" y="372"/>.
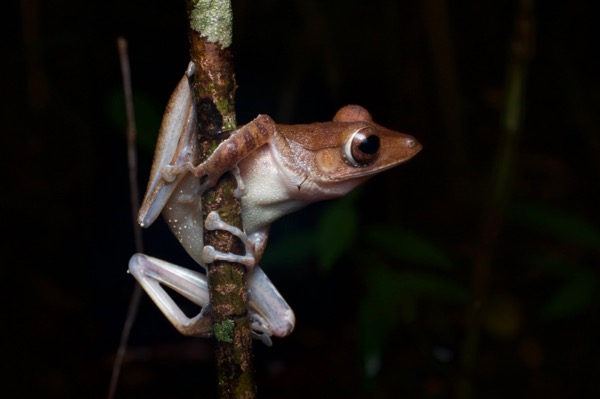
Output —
<point x="362" y="147"/>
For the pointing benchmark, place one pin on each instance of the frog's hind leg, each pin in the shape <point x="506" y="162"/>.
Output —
<point x="153" y="274"/>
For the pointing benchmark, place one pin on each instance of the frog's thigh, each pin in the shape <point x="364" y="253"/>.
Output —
<point x="153" y="274"/>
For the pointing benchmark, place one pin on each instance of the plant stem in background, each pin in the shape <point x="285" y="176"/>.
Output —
<point x="134" y="301"/>
<point x="519" y="56"/>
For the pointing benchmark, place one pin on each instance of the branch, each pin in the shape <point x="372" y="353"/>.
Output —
<point x="213" y="89"/>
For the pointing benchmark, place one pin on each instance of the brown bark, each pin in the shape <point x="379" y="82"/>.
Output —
<point x="214" y="89"/>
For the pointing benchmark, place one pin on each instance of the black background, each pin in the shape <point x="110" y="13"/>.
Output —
<point x="67" y="230"/>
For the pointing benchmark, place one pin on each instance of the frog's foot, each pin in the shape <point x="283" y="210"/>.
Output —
<point x="170" y="172"/>
<point x="208" y="181"/>
<point x="214" y="222"/>
<point x="260" y="330"/>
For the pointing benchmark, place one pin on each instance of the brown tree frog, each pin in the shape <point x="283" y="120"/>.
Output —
<point x="279" y="169"/>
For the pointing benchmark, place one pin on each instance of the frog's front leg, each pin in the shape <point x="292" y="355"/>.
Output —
<point x="242" y="142"/>
<point x="210" y="254"/>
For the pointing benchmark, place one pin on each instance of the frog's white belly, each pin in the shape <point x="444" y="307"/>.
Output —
<point x="271" y="190"/>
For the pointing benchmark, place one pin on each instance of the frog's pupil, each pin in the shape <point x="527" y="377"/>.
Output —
<point x="370" y="145"/>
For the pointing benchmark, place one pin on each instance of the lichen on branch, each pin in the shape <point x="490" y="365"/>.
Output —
<point x="212" y="20"/>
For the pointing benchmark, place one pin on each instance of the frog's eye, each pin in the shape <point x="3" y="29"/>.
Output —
<point x="362" y="147"/>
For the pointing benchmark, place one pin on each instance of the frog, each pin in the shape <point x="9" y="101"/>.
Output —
<point x="279" y="169"/>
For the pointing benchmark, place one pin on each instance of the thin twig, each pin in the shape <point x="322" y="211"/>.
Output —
<point x="135" y="200"/>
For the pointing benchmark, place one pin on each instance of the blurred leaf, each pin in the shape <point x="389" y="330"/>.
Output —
<point x="336" y="231"/>
<point x="426" y="286"/>
<point x="407" y="245"/>
<point x="375" y="320"/>
<point x="392" y="296"/>
<point x="577" y="290"/>
<point x="574" y="297"/>
<point x="557" y="267"/>
<point x="556" y="223"/>
<point x="290" y="250"/>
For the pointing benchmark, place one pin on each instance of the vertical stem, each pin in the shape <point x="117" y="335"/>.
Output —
<point x="519" y="56"/>
<point x="213" y="89"/>
<point x="134" y="301"/>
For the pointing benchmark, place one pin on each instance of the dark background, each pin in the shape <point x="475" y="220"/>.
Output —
<point x="440" y="281"/>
